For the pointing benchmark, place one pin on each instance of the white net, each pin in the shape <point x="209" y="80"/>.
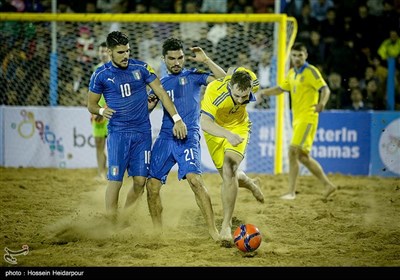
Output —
<point x="39" y="68"/>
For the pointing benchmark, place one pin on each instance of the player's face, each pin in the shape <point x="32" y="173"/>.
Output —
<point x="174" y="61"/>
<point x="120" y="55"/>
<point x="103" y="54"/>
<point x="298" y="58"/>
<point x="240" y="96"/>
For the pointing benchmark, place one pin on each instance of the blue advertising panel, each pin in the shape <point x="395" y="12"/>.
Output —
<point x="385" y="144"/>
<point x="341" y="145"/>
<point x="342" y="142"/>
<point x="261" y="150"/>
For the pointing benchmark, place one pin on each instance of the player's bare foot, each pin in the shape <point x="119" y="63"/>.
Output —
<point x="288" y="196"/>
<point x="226" y="238"/>
<point x="214" y="234"/>
<point x="157" y="232"/>
<point x="256" y="190"/>
<point x="225" y="234"/>
<point x="328" y="191"/>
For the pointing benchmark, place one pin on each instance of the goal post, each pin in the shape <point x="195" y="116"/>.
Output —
<point x="50" y="39"/>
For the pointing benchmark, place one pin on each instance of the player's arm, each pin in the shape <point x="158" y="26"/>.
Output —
<point x="271" y="91"/>
<point x="179" y="129"/>
<point x="200" y="56"/>
<point x="94" y="108"/>
<point x="323" y="99"/>
<point x="208" y="125"/>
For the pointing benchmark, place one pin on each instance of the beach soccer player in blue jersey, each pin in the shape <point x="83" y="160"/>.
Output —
<point x="122" y="81"/>
<point x="184" y="86"/>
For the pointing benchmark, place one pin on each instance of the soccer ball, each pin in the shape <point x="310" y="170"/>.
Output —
<point x="247" y="238"/>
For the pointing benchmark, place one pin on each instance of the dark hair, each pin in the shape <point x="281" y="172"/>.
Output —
<point x="103" y="44"/>
<point x="116" y="38"/>
<point x="299" y="47"/>
<point x="242" y="79"/>
<point x="171" y="44"/>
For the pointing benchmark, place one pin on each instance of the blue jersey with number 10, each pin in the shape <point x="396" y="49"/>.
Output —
<point x="125" y="91"/>
<point x="184" y="89"/>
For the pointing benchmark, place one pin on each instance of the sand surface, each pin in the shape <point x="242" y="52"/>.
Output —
<point x="59" y="214"/>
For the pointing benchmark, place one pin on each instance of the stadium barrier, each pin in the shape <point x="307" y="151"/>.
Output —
<point x="349" y="143"/>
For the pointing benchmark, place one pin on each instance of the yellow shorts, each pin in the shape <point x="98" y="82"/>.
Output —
<point x="100" y="128"/>
<point x="303" y="135"/>
<point x="217" y="146"/>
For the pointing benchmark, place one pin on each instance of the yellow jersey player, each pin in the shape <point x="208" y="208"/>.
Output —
<point x="226" y="126"/>
<point x="309" y="94"/>
<point x="99" y="123"/>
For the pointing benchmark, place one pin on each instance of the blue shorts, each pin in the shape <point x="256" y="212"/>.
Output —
<point x="128" y="151"/>
<point x="166" y="152"/>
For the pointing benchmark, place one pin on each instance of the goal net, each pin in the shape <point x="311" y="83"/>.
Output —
<point x="47" y="60"/>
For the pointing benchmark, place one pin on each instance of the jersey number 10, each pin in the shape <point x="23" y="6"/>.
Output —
<point x="125" y="90"/>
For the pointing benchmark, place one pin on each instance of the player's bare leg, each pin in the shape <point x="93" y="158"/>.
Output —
<point x="136" y="191"/>
<point x="101" y="158"/>
<point x="229" y="193"/>
<point x="252" y="185"/>
<point x="316" y="169"/>
<point x="228" y="196"/>
<point x="329" y="189"/>
<point x="293" y="174"/>
<point x="153" y="187"/>
<point x="203" y="200"/>
<point x="112" y="194"/>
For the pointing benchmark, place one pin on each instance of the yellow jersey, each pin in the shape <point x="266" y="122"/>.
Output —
<point x="219" y="105"/>
<point x="304" y="85"/>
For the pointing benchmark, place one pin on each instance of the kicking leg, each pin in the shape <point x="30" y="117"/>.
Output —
<point x="252" y="185"/>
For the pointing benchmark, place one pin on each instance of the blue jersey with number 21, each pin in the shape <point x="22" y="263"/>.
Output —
<point x="185" y="90"/>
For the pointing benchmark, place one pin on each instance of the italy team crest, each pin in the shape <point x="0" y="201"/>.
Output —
<point x="114" y="170"/>
<point x="182" y="81"/>
<point x="136" y="74"/>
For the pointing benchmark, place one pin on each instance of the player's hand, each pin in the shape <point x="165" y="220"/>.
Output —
<point x="234" y="139"/>
<point x="108" y="113"/>
<point x="180" y="130"/>
<point x="98" y="118"/>
<point x="318" y="108"/>
<point x="199" y="55"/>
<point x="152" y="101"/>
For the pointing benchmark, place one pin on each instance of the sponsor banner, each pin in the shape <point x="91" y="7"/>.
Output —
<point x="385" y="144"/>
<point x="355" y="143"/>
<point x="261" y="150"/>
<point x="48" y="137"/>
<point x="342" y="142"/>
<point x="1" y="135"/>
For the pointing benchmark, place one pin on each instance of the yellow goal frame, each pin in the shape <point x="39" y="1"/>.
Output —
<point x="283" y="47"/>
